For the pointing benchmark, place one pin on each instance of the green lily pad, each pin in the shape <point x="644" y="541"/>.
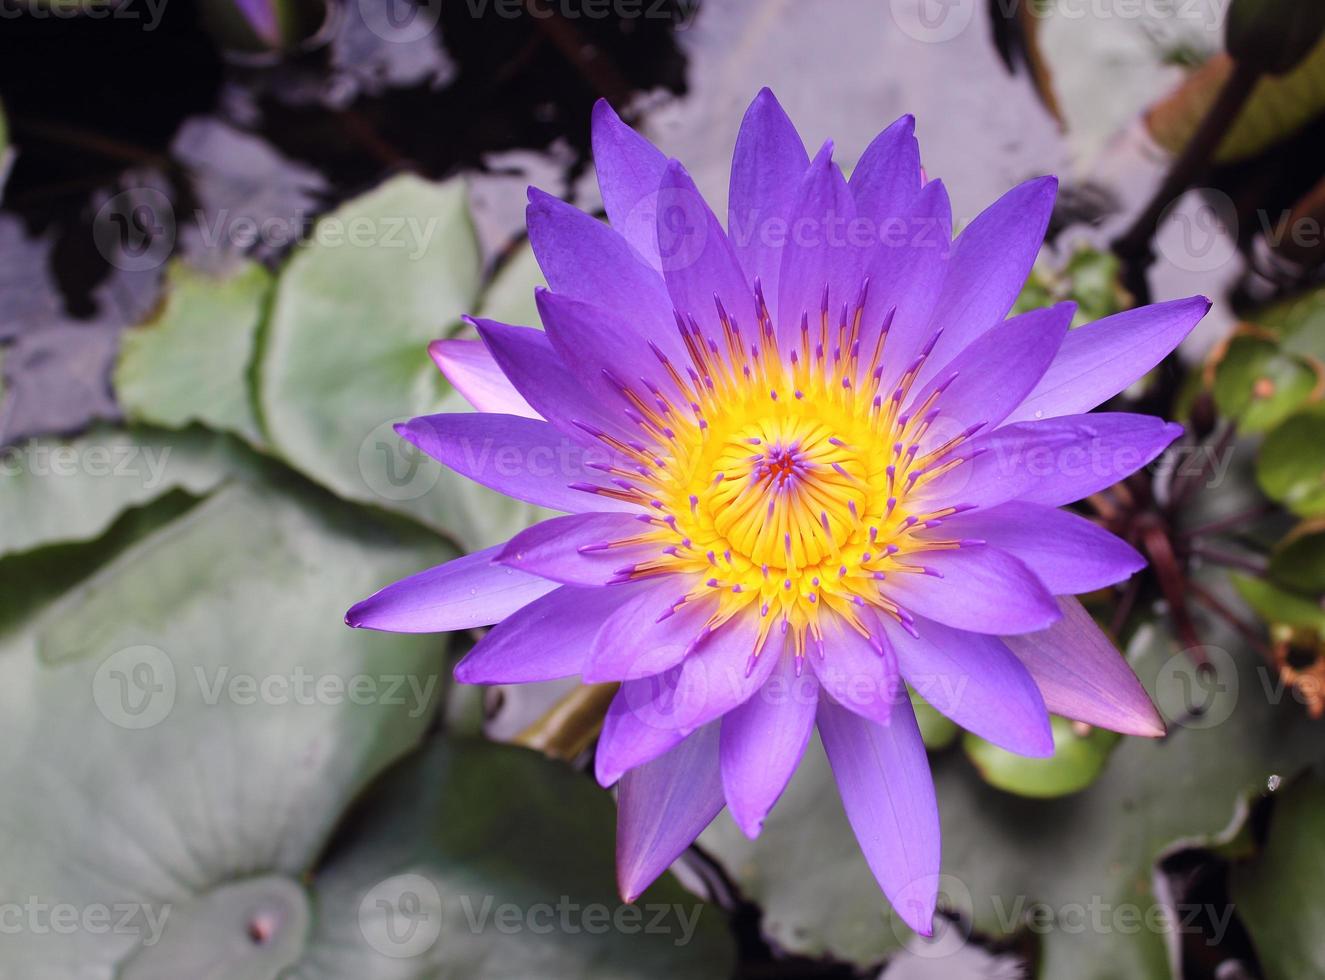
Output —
<point x="1291" y="468"/>
<point x="1074" y="873"/>
<point x="346" y="356"/>
<point x="1259" y="385"/>
<point x="1278" y="606"/>
<point x="62" y="490"/>
<point x="474" y="860"/>
<point x="1077" y="761"/>
<point x="1299" y="323"/>
<point x="1299" y="560"/>
<point x="191" y="361"/>
<point x="1280" y="895"/>
<point x="35" y="578"/>
<point x="196" y="714"/>
<point x="936" y="729"/>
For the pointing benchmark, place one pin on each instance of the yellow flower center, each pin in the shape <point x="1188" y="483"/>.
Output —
<point x="788" y="479"/>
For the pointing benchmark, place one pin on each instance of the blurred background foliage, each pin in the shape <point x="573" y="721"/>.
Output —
<point x="228" y="232"/>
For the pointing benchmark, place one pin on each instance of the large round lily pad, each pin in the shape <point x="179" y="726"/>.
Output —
<point x="346" y="355"/>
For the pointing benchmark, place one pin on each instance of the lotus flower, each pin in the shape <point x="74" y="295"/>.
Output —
<point x="803" y="459"/>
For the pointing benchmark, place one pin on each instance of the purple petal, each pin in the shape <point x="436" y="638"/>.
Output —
<point x="629" y="171"/>
<point x="698" y="262"/>
<point x="974" y="588"/>
<point x="883" y="777"/>
<point x="1082" y="675"/>
<point x="887" y="177"/>
<point x="645" y="636"/>
<point x="263" y="17"/>
<point x="990" y="262"/>
<point x="906" y="271"/>
<point x="638" y="727"/>
<point x="1051" y="461"/>
<point x="527" y="358"/>
<point x="767" y="167"/>
<point x="976" y="681"/>
<point x="545" y="640"/>
<point x="1068" y="553"/>
<point x="522" y="458"/>
<point x="819" y="253"/>
<point x="602" y="348"/>
<point x="722" y="672"/>
<point x="463" y="593"/>
<point x="858" y="673"/>
<point x="663" y="806"/>
<point x="995" y="372"/>
<point x="551" y="549"/>
<point x="586" y="260"/>
<point x="1102" y="358"/>
<point x="469" y="366"/>
<point x="763" y="740"/>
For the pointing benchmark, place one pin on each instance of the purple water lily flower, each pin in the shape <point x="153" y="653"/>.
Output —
<point x="805" y="459"/>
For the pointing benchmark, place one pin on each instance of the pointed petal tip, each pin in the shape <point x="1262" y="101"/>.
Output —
<point x="359" y="616"/>
<point x="631" y="883"/>
<point x="925" y="931"/>
<point x="605" y="777"/>
<point x="537" y="196"/>
<point x="1155" y="729"/>
<point x="917" y="905"/>
<point x="752" y="828"/>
